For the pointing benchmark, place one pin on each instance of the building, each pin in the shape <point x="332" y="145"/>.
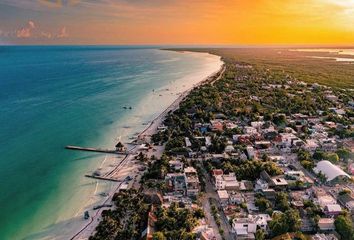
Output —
<point x="324" y="237"/>
<point x="226" y="182"/>
<point x="250" y="152"/>
<point x="235" y="197"/>
<point x="192" y="181"/>
<point x="332" y="210"/>
<point x="347" y="201"/>
<point x="326" y="224"/>
<point x="223" y="197"/>
<point x="176" y="165"/>
<point x="176" y="182"/>
<point x="245" y="228"/>
<point x="332" y="172"/>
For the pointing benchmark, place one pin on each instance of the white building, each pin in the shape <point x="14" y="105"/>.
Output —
<point x="245" y="228"/>
<point x="332" y="172"/>
<point x="250" y="152"/>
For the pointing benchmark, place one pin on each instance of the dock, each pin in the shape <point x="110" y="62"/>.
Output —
<point x="102" y="178"/>
<point x="99" y="150"/>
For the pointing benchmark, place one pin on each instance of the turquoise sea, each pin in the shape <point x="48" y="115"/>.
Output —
<point x="60" y="95"/>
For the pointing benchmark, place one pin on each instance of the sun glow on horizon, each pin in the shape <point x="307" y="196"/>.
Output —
<point x="178" y="22"/>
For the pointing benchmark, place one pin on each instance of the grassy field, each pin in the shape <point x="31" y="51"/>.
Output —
<point x="298" y="64"/>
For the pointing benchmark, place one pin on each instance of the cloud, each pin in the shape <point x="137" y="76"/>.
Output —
<point x="33" y="30"/>
<point x="63" y="33"/>
<point x="46" y="35"/>
<point x="31" y="24"/>
<point x="26" y="32"/>
<point x="58" y="3"/>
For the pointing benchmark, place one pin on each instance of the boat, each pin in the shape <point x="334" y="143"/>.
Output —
<point x="86" y="215"/>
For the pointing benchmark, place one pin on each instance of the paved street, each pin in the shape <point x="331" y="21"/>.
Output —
<point x="210" y="193"/>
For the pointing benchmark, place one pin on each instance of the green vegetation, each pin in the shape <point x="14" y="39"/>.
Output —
<point x="289" y="221"/>
<point x="126" y="221"/>
<point x="176" y="223"/>
<point x="245" y="170"/>
<point x="298" y="64"/>
<point x="344" y="226"/>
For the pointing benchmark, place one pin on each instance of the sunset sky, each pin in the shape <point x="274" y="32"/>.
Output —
<point x="177" y="22"/>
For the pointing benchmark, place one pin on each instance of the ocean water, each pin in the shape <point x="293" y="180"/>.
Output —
<point x="51" y="97"/>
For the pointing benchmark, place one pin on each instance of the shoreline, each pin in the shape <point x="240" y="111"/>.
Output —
<point x="88" y="229"/>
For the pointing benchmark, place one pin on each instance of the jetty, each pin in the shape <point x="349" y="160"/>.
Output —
<point x="99" y="150"/>
<point x="102" y="178"/>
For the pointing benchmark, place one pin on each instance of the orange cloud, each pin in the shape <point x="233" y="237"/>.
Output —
<point x="26" y="32"/>
<point x="63" y="33"/>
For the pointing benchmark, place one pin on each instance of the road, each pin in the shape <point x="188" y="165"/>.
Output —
<point x="210" y="193"/>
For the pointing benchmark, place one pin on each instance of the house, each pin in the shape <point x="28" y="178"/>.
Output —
<point x="217" y="125"/>
<point x="311" y="145"/>
<point x="245" y="228"/>
<point x="257" y="125"/>
<point x="328" y="144"/>
<point x="231" y="182"/>
<point x="176" y="182"/>
<point x="332" y="210"/>
<point x="235" y="197"/>
<point x="223" y="197"/>
<point x="187" y="142"/>
<point x="208" y="234"/>
<point x="229" y="149"/>
<point x="347" y="201"/>
<point x="176" y="165"/>
<point x="324" y="237"/>
<point x="219" y="182"/>
<point x="326" y="224"/>
<point x="261" y="185"/>
<point x="279" y="183"/>
<point x="250" y="130"/>
<point x="331" y="97"/>
<point x="250" y="152"/>
<point x="192" y="181"/>
<point x="262" y="144"/>
<point x="226" y="182"/>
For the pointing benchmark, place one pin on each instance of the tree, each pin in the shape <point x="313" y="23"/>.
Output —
<point x="158" y="236"/>
<point x="332" y="157"/>
<point x="289" y="221"/>
<point x="263" y="204"/>
<point x="293" y="220"/>
<point x="282" y="202"/>
<point x="344" y="226"/>
<point x="260" y="234"/>
<point x="343" y="154"/>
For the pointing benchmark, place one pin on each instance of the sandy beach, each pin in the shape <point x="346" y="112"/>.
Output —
<point x="126" y="166"/>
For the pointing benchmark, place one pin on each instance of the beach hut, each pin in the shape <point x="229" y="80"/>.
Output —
<point x="120" y="147"/>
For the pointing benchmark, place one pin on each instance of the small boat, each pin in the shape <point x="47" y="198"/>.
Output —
<point x="86" y="215"/>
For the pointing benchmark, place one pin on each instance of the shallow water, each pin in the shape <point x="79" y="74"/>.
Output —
<point x="56" y="96"/>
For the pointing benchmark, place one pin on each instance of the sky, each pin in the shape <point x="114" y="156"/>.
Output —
<point x="129" y="22"/>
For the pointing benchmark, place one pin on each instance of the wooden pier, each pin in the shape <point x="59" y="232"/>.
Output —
<point x="102" y="178"/>
<point x="99" y="150"/>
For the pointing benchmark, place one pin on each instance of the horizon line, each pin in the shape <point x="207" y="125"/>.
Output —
<point x="189" y="45"/>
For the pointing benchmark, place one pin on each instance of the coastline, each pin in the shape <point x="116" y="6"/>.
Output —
<point x="87" y="229"/>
